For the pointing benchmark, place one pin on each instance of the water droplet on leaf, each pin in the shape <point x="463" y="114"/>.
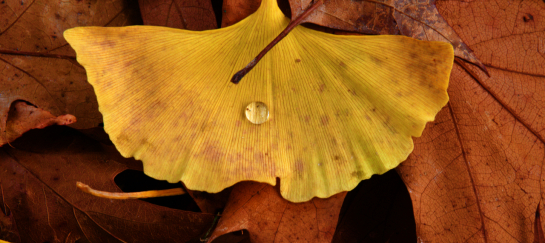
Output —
<point x="257" y="112"/>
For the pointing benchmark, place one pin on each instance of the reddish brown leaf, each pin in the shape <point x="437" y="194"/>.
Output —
<point x="260" y="209"/>
<point x="8" y="228"/>
<point x="234" y="11"/>
<point x="23" y="117"/>
<point x="39" y="188"/>
<point x="181" y="14"/>
<point x="210" y="202"/>
<point x="476" y="173"/>
<point x="37" y="64"/>
<point x="417" y="19"/>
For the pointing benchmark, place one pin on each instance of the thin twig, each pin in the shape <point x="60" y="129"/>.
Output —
<point x="130" y="195"/>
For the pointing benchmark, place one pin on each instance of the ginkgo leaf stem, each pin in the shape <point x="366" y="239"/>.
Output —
<point x="240" y="74"/>
<point x="130" y="195"/>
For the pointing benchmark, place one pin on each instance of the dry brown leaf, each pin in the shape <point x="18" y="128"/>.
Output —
<point x="260" y="209"/>
<point x="39" y="189"/>
<point x="210" y="202"/>
<point x="8" y="228"/>
<point x="37" y="64"/>
<point x="181" y="14"/>
<point x="476" y="174"/>
<point x="23" y="117"/>
<point x="236" y="10"/>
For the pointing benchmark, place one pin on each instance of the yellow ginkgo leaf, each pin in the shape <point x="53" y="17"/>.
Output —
<point x="330" y="110"/>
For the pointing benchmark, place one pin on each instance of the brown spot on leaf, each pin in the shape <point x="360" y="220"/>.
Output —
<point x="212" y="153"/>
<point x="358" y="174"/>
<point x="297" y="60"/>
<point x="127" y="64"/>
<point x="259" y="157"/>
<point x="325" y="120"/>
<point x="107" y="43"/>
<point x="299" y="166"/>
<point x="375" y="60"/>
<point x="321" y="88"/>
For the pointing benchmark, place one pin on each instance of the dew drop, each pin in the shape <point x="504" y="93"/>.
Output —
<point x="257" y="112"/>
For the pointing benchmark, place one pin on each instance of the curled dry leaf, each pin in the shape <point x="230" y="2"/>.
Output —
<point x="342" y="108"/>
<point x="38" y="186"/>
<point x="23" y="117"/>
<point x="36" y="63"/>
<point x="476" y="174"/>
<point x="268" y="217"/>
<point x="181" y="14"/>
<point x="417" y="19"/>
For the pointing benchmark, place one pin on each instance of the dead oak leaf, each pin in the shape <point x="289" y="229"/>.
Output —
<point x="476" y="174"/>
<point x="234" y="11"/>
<point x="268" y="217"/>
<point x="36" y="63"/>
<point x="38" y="188"/>
<point x="181" y="14"/>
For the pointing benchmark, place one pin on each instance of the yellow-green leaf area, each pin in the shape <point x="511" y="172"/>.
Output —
<point x="340" y="108"/>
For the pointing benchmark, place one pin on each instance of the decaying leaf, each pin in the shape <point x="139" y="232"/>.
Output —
<point x="23" y="117"/>
<point x="8" y="227"/>
<point x="37" y="185"/>
<point x="39" y="67"/>
<point x="481" y="162"/>
<point x="261" y="210"/>
<point x="341" y="108"/>
<point x="190" y="15"/>
<point x="234" y="11"/>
